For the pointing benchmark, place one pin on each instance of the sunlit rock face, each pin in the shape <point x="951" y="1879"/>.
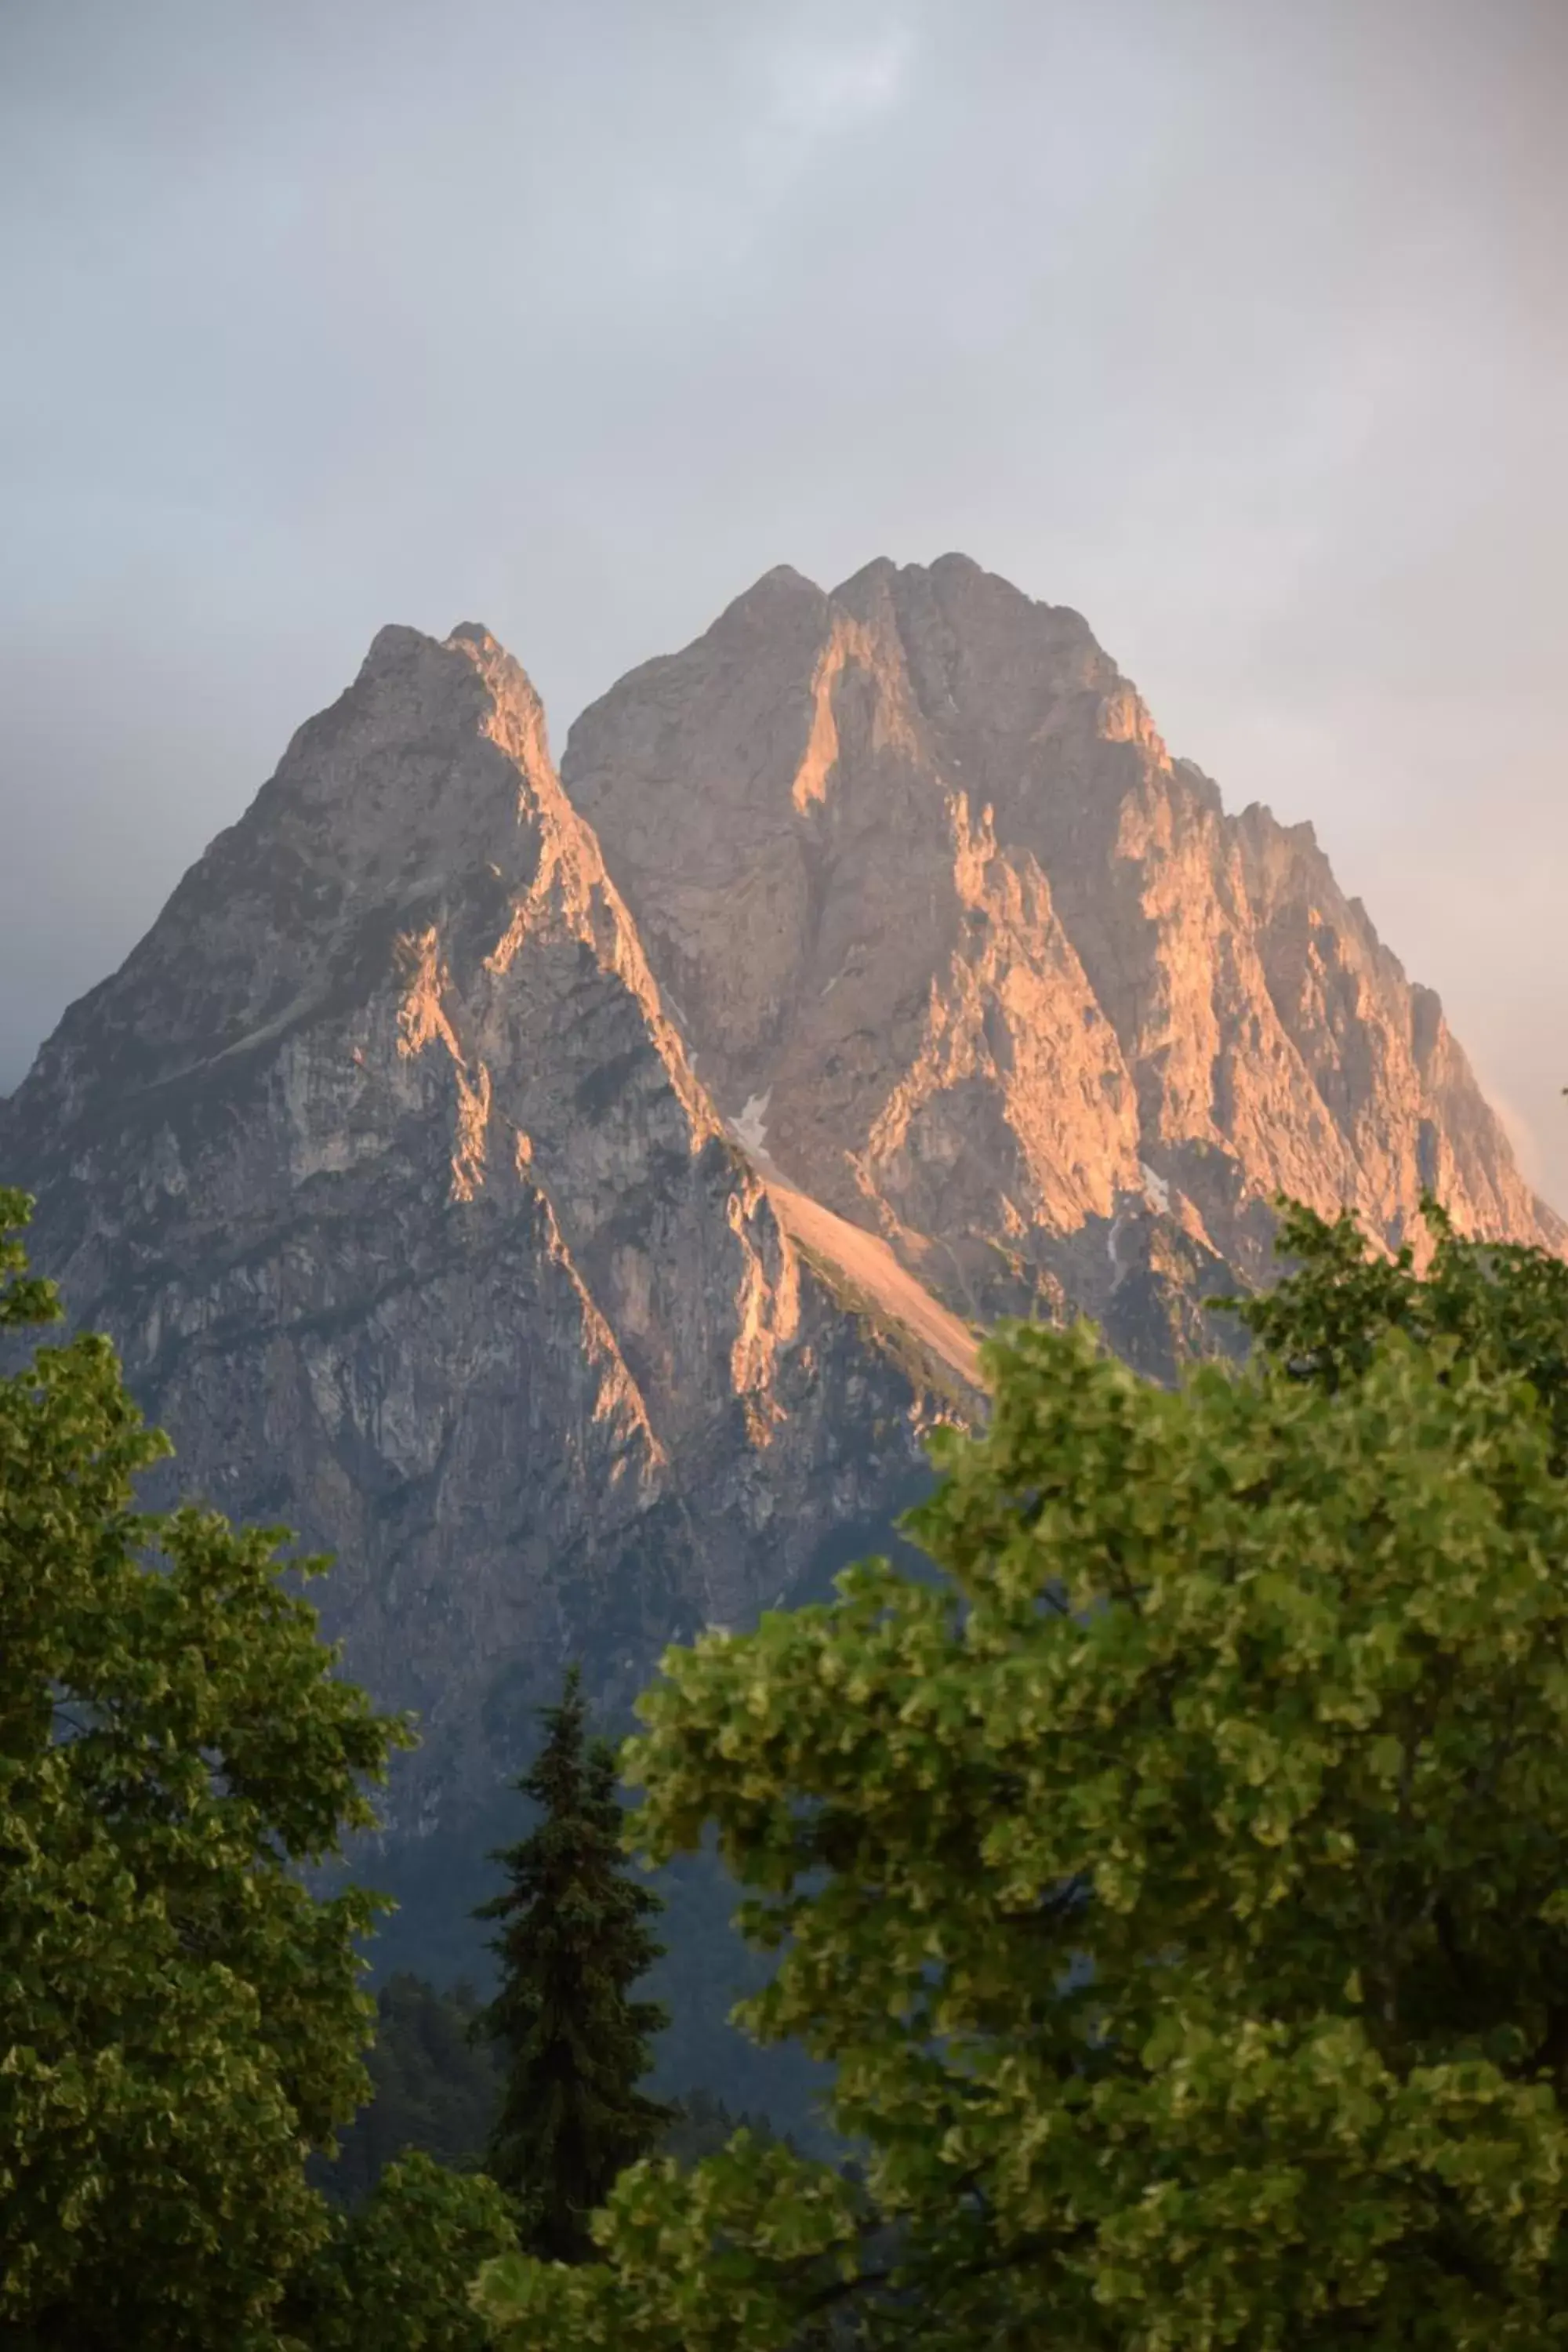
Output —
<point x="962" y="953"/>
<point x="385" y="1166"/>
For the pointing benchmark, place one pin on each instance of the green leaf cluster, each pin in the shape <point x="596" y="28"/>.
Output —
<point x="1179" y="1884"/>
<point x="180" y="2017"/>
<point x="1499" y="1303"/>
<point x="393" y="2276"/>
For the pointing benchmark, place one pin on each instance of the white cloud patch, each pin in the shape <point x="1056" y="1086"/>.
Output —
<point x="822" y="91"/>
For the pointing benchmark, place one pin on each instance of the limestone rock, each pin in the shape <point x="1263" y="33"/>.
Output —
<point x="973" y="963"/>
<point x="382" y="1163"/>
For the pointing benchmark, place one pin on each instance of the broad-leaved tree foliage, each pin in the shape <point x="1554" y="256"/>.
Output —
<point x="1498" y="1303"/>
<point x="1180" y="1883"/>
<point x="573" y="1940"/>
<point x="180" y="2018"/>
<point x="393" y="2276"/>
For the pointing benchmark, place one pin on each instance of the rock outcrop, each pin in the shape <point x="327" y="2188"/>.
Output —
<point x="964" y="955"/>
<point x="383" y="1165"/>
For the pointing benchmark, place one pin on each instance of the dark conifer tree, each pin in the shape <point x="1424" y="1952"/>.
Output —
<point x="574" y="1941"/>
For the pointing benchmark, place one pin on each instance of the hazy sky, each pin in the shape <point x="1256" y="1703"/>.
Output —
<point x="1241" y="327"/>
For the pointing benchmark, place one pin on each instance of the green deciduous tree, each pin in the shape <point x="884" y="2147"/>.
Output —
<point x="393" y="2276"/>
<point x="180" y="2018"/>
<point x="574" y="1941"/>
<point x="1497" y="1304"/>
<point x="1180" y="1883"/>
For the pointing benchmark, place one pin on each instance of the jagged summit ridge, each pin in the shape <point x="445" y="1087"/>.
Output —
<point x="915" y="865"/>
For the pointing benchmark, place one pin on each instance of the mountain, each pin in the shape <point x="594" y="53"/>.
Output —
<point x="567" y="1199"/>
<point x="964" y="955"/>
<point x="385" y="1168"/>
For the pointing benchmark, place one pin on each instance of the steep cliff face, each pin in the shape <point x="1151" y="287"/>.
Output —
<point x="382" y="1163"/>
<point x="960" y="951"/>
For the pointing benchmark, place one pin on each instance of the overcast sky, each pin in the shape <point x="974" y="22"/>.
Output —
<point x="1242" y="326"/>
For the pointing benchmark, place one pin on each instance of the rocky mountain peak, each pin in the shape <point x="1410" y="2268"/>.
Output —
<point x="422" y="805"/>
<point x="384" y="1165"/>
<point x="986" y="971"/>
